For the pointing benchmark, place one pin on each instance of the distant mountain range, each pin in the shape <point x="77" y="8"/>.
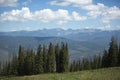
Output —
<point x="81" y="42"/>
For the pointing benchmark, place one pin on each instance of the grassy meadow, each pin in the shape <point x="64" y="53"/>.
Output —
<point x="98" y="74"/>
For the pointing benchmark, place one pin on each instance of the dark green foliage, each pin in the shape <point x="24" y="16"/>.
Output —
<point x="119" y="56"/>
<point x="63" y="58"/>
<point x="21" y="57"/>
<point x="55" y="58"/>
<point x="51" y="59"/>
<point x="57" y="53"/>
<point x="109" y="58"/>
<point x="14" y="65"/>
<point x="96" y="62"/>
<point x="29" y="64"/>
<point x="39" y="61"/>
<point x="105" y="59"/>
<point x="45" y="59"/>
<point x="113" y="53"/>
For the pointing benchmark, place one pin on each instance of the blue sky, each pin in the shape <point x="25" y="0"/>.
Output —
<point x="31" y="15"/>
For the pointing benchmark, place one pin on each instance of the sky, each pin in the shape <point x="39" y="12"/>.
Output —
<point x="17" y="15"/>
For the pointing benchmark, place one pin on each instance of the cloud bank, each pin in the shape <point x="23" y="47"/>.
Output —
<point x="46" y="15"/>
<point x="106" y="13"/>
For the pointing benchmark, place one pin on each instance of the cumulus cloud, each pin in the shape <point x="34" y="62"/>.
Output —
<point x="10" y="3"/>
<point x="17" y="15"/>
<point x="111" y="14"/>
<point x="70" y="2"/>
<point x="46" y="15"/>
<point x="106" y="13"/>
<point x="76" y="16"/>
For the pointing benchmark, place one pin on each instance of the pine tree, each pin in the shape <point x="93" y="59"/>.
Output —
<point x="57" y="53"/>
<point x="5" y="67"/>
<point x="67" y="57"/>
<point x="14" y="65"/>
<point x="105" y="58"/>
<point x="45" y="59"/>
<point x="113" y="52"/>
<point x="21" y="60"/>
<point x="33" y="61"/>
<point x="51" y="59"/>
<point x="29" y="62"/>
<point x="9" y="67"/>
<point x="39" y="61"/>
<point x="119" y="56"/>
<point x="64" y="60"/>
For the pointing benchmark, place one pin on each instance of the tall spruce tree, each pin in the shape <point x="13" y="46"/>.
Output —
<point x="29" y="62"/>
<point x="105" y="58"/>
<point x="21" y="60"/>
<point x="14" y="65"/>
<point x="45" y="58"/>
<point x="64" y="60"/>
<point x="119" y="56"/>
<point x="39" y="60"/>
<point x="113" y="52"/>
<point x="57" y="53"/>
<point x="51" y="59"/>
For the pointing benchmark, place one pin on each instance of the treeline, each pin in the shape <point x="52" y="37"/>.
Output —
<point x="55" y="58"/>
<point x="47" y="59"/>
<point x="110" y="58"/>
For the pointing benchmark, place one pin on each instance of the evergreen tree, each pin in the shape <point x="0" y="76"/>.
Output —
<point x="71" y="67"/>
<point x="51" y="59"/>
<point x="105" y="58"/>
<point x="5" y="68"/>
<point x="113" y="52"/>
<point x="45" y="59"/>
<point x="57" y="53"/>
<point x="67" y="57"/>
<point x="119" y="56"/>
<point x="21" y="60"/>
<point x="29" y="62"/>
<point x="39" y="61"/>
<point x="64" y="60"/>
<point x="14" y="65"/>
<point x="9" y="68"/>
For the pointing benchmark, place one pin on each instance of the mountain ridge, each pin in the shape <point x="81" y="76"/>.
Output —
<point x="81" y="43"/>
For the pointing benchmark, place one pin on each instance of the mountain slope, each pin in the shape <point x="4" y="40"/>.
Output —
<point x="10" y="44"/>
<point x="81" y="43"/>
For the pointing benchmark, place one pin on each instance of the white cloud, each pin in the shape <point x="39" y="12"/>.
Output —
<point x="107" y="13"/>
<point x="70" y="2"/>
<point x="17" y="15"/>
<point x="10" y="3"/>
<point x="46" y="15"/>
<point x="111" y="14"/>
<point x="78" y="17"/>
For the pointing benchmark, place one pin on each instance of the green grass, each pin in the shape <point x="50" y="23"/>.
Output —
<point x="99" y="74"/>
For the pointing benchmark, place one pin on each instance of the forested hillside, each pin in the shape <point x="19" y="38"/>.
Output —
<point x="55" y="58"/>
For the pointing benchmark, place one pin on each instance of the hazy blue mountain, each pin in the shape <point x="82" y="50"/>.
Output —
<point x="82" y="43"/>
<point x="78" y="34"/>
